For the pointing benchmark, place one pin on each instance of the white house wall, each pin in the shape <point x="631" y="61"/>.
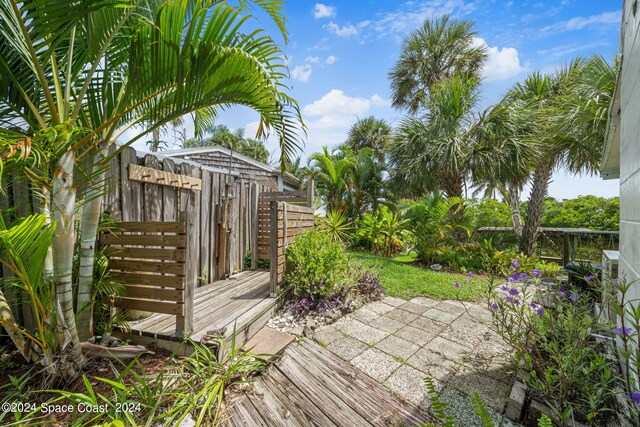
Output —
<point x="630" y="148"/>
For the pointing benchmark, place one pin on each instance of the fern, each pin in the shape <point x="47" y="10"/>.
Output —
<point x="480" y="408"/>
<point x="545" y="421"/>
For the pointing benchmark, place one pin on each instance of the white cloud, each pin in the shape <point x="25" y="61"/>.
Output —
<point x="323" y="11"/>
<point x="378" y="101"/>
<point x="344" y="31"/>
<point x="581" y="22"/>
<point x="413" y="13"/>
<point x="312" y="59"/>
<point x="501" y="64"/>
<point x="335" y="102"/>
<point x="331" y="59"/>
<point x="302" y="72"/>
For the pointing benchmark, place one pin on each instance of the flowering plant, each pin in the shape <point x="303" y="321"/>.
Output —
<point x="559" y="360"/>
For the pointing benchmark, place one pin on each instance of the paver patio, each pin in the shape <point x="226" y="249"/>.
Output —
<point x="399" y="343"/>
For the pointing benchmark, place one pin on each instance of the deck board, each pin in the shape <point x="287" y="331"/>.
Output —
<point x="309" y="386"/>
<point x="219" y="304"/>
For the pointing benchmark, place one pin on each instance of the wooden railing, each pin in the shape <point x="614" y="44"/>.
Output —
<point x="156" y="264"/>
<point x="286" y="222"/>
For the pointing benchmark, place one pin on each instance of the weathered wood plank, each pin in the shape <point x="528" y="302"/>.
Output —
<point x="150" y="226"/>
<point x="184" y="322"/>
<point x="147" y="279"/>
<point x="139" y="240"/>
<point x="148" y="305"/>
<point x="177" y="268"/>
<point x="152" y="199"/>
<point x="145" y="253"/>
<point x="154" y="176"/>
<point x="154" y="293"/>
<point x="169" y="195"/>
<point x="205" y="232"/>
<point x="131" y="191"/>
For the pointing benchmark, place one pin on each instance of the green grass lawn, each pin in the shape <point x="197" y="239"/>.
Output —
<point x="403" y="280"/>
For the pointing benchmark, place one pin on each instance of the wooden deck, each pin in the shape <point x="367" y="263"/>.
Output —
<point x="309" y="386"/>
<point x="242" y="300"/>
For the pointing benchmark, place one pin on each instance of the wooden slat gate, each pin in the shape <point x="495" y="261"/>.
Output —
<point x="155" y="262"/>
<point x="286" y="221"/>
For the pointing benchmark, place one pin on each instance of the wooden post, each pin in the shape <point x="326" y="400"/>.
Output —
<point x="310" y="192"/>
<point x="255" y="202"/>
<point x="566" y="249"/>
<point x="273" y="251"/>
<point x="184" y="323"/>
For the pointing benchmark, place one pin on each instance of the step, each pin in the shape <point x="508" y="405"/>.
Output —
<point x="269" y="341"/>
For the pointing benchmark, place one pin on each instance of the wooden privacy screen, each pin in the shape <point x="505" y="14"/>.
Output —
<point x="152" y="261"/>
<point x="304" y="198"/>
<point x="286" y="222"/>
<point x="225" y="207"/>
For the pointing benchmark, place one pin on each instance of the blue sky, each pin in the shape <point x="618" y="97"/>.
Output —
<point x="340" y="52"/>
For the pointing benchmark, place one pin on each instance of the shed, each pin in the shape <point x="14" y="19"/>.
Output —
<point x="245" y="167"/>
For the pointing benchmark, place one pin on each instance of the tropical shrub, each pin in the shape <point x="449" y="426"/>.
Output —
<point x="502" y="263"/>
<point x="383" y="232"/>
<point x="434" y="223"/>
<point x="561" y="363"/>
<point x="316" y="265"/>
<point x="547" y="269"/>
<point x="336" y="224"/>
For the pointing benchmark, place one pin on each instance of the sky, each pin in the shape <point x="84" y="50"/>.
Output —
<point x="340" y="52"/>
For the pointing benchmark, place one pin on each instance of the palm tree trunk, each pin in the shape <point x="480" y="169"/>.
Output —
<point x="64" y="201"/>
<point x="514" y="205"/>
<point x="88" y="233"/>
<point x="535" y="209"/>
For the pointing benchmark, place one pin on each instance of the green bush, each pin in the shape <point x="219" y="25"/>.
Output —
<point x="316" y="265"/>
<point x="383" y="232"/>
<point x="548" y="269"/>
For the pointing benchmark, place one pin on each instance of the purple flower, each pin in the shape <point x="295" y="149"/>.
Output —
<point x="622" y="331"/>
<point x="504" y="288"/>
<point x="457" y="284"/>
<point x="540" y="311"/>
<point x="574" y="297"/>
<point x="533" y="304"/>
<point x="560" y="294"/>
<point x="615" y="282"/>
<point x="515" y="276"/>
<point x="634" y="397"/>
<point x="589" y="278"/>
<point x="494" y="306"/>
<point x="536" y="273"/>
<point x="508" y="299"/>
<point x="515" y="263"/>
<point x="523" y="276"/>
<point x="516" y="301"/>
<point x="514" y="291"/>
<point x="511" y="279"/>
<point x="470" y="273"/>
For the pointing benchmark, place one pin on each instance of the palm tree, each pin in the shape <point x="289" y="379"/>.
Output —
<point x="441" y="48"/>
<point x="85" y="72"/>
<point x="568" y="113"/>
<point x="370" y="133"/>
<point x="432" y="153"/>
<point x="332" y="174"/>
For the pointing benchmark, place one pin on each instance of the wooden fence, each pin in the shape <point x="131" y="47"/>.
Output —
<point x="155" y="263"/>
<point x="151" y="188"/>
<point x="286" y="222"/>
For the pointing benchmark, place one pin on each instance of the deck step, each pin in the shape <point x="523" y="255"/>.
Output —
<point x="269" y="341"/>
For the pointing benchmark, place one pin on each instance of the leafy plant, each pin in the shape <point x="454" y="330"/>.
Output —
<point x="336" y="224"/>
<point x="316" y="265"/>
<point x="563" y="364"/>
<point x="384" y="232"/>
<point x="434" y="223"/>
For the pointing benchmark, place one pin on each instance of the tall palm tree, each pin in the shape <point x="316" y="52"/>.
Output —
<point x="568" y="113"/>
<point x="370" y="133"/>
<point x="85" y="72"/>
<point x="440" y="48"/>
<point x="432" y="153"/>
